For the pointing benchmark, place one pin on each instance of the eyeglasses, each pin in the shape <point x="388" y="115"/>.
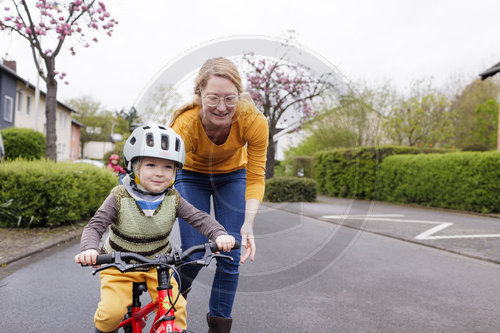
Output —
<point x="230" y="101"/>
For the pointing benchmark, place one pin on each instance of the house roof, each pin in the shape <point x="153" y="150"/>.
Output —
<point x="9" y="71"/>
<point x="490" y="71"/>
<point x="77" y="123"/>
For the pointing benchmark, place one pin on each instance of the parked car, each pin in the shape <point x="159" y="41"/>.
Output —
<point x="93" y="162"/>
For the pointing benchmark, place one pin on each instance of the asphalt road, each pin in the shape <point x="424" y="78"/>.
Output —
<point x="338" y="266"/>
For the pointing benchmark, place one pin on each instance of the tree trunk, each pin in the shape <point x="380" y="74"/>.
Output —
<point x="50" y="117"/>
<point x="271" y="149"/>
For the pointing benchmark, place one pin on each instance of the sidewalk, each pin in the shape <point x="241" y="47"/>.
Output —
<point x="16" y="244"/>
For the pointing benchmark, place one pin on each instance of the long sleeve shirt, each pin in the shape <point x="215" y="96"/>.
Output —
<point x="245" y="147"/>
<point x="108" y="214"/>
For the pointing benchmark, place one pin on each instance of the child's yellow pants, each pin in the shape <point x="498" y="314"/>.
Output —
<point x="116" y="295"/>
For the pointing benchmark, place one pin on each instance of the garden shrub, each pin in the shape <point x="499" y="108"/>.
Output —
<point x="51" y="194"/>
<point x="352" y="173"/>
<point x="23" y="143"/>
<point x="290" y="189"/>
<point x="464" y="181"/>
<point x="303" y="166"/>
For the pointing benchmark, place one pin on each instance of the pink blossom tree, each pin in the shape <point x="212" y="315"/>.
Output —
<point x="277" y="86"/>
<point x="46" y="25"/>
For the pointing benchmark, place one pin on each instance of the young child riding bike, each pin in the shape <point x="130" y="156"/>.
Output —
<point x="141" y="213"/>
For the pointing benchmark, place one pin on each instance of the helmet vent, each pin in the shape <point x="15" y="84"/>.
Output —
<point x="164" y="142"/>
<point x="133" y="140"/>
<point x="177" y="144"/>
<point x="146" y="127"/>
<point x="162" y="127"/>
<point x="149" y="140"/>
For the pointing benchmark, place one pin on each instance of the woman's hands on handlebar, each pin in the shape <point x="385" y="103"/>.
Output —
<point x="87" y="257"/>
<point x="225" y="242"/>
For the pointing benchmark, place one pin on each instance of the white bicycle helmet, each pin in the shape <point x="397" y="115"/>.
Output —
<point x="154" y="141"/>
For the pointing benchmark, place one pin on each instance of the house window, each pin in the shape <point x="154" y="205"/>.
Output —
<point x="8" y="106"/>
<point x="19" y="105"/>
<point x="28" y="105"/>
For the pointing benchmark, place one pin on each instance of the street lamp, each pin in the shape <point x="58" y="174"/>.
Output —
<point x="484" y="75"/>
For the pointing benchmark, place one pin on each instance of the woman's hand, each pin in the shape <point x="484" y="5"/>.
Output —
<point x="248" y="242"/>
<point x="87" y="257"/>
<point x="225" y="242"/>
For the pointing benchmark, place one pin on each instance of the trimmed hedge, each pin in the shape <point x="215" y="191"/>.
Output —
<point x="463" y="181"/>
<point x="352" y="173"/>
<point x="51" y="194"/>
<point x="290" y="189"/>
<point x="23" y="143"/>
<point x="304" y="164"/>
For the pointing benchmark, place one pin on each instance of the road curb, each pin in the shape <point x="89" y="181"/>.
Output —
<point x="56" y="241"/>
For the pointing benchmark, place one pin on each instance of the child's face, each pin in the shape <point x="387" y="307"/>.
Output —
<point x="156" y="174"/>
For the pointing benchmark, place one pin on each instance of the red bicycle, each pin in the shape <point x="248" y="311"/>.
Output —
<point x="166" y="265"/>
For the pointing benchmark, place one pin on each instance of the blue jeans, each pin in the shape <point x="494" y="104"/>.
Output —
<point x="228" y="192"/>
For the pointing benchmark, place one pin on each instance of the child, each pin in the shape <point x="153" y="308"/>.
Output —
<point x="141" y="213"/>
<point x="114" y="166"/>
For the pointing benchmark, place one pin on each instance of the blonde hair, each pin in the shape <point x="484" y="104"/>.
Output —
<point x="220" y="67"/>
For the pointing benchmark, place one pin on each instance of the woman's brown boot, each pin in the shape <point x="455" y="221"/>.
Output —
<point x="219" y="324"/>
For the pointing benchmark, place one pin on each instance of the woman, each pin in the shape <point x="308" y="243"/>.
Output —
<point x="226" y="140"/>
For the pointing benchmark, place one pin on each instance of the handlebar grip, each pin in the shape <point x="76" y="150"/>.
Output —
<point x="215" y="248"/>
<point x="105" y="259"/>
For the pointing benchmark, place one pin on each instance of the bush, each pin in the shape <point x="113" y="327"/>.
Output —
<point x="291" y="189"/>
<point x="476" y="147"/>
<point x="51" y="194"/>
<point x="303" y="166"/>
<point x="352" y="173"/>
<point x="463" y="181"/>
<point x="24" y="143"/>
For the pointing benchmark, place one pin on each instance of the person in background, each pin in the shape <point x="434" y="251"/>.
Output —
<point x="226" y="139"/>
<point x="113" y="164"/>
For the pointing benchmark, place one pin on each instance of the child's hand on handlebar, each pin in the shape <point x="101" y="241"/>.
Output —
<point x="87" y="257"/>
<point x="225" y="242"/>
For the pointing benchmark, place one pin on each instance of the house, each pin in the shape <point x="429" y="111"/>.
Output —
<point x="8" y="86"/>
<point x="284" y="138"/>
<point x="74" y="150"/>
<point x="21" y="108"/>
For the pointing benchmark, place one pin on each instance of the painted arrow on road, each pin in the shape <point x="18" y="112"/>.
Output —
<point x="426" y="235"/>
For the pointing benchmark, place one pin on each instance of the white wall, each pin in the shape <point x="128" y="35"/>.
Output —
<point x="97" y="149"/>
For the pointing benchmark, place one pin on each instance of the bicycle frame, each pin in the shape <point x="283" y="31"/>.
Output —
<point x="162" y="304"/>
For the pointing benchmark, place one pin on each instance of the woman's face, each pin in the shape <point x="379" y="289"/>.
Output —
<point x="221" y="115"/>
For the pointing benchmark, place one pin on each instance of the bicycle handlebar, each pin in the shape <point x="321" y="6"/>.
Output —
<point x="166" y="259"/>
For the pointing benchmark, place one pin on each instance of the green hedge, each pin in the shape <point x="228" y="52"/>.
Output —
<point x="23" y="143"/>
<point x="290" y="189"/>
<point x="49" y="194"/>
<point x="304" y="164"/>
<point x="352" y="173"/>
<point x="463" y="181"/>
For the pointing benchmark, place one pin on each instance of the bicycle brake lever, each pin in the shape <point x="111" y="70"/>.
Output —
<point x="121" y="266"/>
<point x="215" y="255"/>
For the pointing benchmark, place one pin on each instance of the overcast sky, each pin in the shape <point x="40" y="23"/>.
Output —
<point x="395" y="40"/>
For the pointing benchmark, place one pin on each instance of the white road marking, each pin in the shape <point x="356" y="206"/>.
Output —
<point x="426" y="235"/>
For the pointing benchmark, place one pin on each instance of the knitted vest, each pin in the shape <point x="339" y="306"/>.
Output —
<point x="135" y="232"/>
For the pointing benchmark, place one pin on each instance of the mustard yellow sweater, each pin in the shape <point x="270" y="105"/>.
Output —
<point x="249" y="129"/>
